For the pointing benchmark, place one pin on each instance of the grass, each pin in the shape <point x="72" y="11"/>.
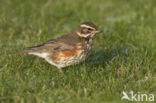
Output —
<point x="122" y="56"/>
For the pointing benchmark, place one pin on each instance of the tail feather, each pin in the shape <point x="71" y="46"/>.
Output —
<point x="27" y="50"/>
<point x="23" y="52"/>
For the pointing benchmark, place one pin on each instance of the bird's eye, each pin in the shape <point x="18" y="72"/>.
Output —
<point x="89" y="29"/>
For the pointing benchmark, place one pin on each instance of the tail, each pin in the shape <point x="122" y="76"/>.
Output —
<point x="22" y="52"/>
<point x="27" y="50"/>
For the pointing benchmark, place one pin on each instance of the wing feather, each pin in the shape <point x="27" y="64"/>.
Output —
<point x="49" y="46"/>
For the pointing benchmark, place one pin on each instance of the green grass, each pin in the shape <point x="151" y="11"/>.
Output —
<point x="122" y="56"/>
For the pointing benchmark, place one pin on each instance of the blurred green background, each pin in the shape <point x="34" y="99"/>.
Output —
<point x="122" y="56"/>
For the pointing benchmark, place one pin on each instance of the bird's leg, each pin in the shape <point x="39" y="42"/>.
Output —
<point x="60" y="70"/>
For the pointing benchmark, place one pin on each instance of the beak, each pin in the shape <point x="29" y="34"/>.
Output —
<point x="98" y="31"/>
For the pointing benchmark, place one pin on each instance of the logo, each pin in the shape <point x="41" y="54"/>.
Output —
<point x="131" y="96"/>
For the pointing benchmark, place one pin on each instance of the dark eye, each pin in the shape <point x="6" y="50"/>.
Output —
<point x="89" y="29"/>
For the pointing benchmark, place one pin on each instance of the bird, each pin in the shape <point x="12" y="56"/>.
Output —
<point x="67" y="49"/>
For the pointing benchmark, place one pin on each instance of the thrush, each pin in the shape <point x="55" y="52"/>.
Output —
<point x="68" y="49"/>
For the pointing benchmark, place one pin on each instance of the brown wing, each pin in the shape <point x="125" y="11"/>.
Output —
<point x="49" y="46"/>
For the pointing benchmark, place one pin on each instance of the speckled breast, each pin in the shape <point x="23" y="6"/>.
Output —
<point x="78" y="54"/>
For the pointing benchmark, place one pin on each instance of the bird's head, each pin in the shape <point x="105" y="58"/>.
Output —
<point x="87" y="29"/>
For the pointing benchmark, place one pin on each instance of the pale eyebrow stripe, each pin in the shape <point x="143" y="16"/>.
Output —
<point x="83" y="25"/>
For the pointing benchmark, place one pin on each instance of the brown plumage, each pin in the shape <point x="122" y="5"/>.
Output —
<point x="67" y="49"/>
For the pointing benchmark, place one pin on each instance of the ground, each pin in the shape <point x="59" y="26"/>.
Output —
<point x="123" y="57"/>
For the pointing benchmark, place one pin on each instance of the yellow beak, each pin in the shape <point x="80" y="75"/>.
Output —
<point x="98" y="31"/>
